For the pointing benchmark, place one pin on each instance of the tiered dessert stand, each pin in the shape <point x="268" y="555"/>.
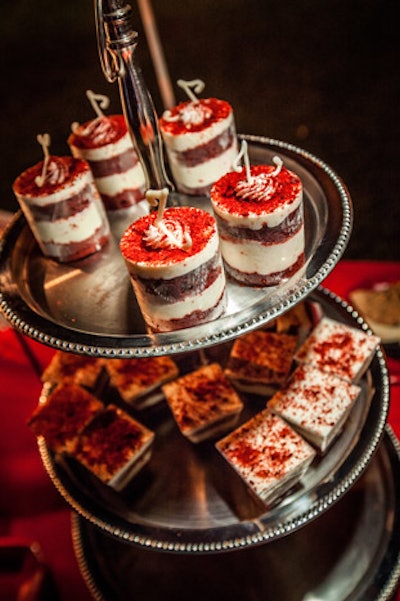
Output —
<point x="185" y="527"/>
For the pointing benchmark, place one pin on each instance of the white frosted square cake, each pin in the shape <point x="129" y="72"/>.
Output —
<point x="315" y="403"/>
<point x="339" y="349"/>
<point x="267" y="454"/>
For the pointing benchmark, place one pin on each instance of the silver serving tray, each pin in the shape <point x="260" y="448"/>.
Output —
<point x="88" y="307"/>
<point x="187" y="500"/>
<point x="351" y="553"/>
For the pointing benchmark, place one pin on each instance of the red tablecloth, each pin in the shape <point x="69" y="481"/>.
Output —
<point x="30" y="506"/>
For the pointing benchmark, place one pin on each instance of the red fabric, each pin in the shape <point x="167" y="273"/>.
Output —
<point x="30" y="506"/>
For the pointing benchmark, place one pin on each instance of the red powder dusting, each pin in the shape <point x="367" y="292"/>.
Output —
<point x="110" y="440"/>
<point x="200" y="223"/>
<point x="115" y="131"/>
<point x="220" y="110"/>
<point x="224" y="194"/>
<point x="25" y="183"/>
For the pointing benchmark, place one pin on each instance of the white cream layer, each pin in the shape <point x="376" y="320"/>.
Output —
<point x="111" y="185"/>
<point x="79" y="227"/>
<point x="102" y="153"/>
<point x="253" y="257"/>
<point x="166" y="272"/>
<point x="256" y="221"/>
<point x="190" y="139"/>
<point x="159" y="311"/>
<point x="205" y="173"/>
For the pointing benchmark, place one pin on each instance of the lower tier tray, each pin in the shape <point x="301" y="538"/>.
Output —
<point x="187" y="501"/>
<point x="351" y="553"/>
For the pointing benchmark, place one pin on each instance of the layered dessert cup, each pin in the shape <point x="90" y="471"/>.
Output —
<point x="261" y="224"/>
<point x="175" y="267"/>
<point x="200" y="141"/>
<point x="63" y="208"/>
<point x="106" y="145"/>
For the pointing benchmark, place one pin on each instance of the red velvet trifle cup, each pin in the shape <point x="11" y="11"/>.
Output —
<point x="175" y="268"/>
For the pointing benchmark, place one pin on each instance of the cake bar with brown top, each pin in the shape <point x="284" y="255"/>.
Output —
<point x="260" y="361"/>
<point x="203" y="402"/>
<point x="138" y="380"/>
<point x="63" y="415"/>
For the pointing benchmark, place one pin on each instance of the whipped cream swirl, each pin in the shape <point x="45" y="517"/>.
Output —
<point x="55" y="172"/>
<point x="100" y="130"/>
<point x="167" y="233"/>
<point x="260" y="187"/>
<point x="193" y="113"/>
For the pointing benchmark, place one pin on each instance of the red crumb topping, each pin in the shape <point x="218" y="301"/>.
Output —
<point x="339" y="352"/>
<point x="201" y="226"/>
<point x="99" y="132"/>
<point x="72" y="169"/>
<point x="224" y="194"/>
<point x="110" y="439"/>
<point x="215" y="110"/>
<point x="66" y="412"/>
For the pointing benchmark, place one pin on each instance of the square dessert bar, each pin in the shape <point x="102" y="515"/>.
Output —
<point x="70" y="368"/>
<point x="138" y="380"/>
<point x="339" y="349"/>
<point x="267" y="454"/>
<point x="63" y="415"/>
<point x="260" y="361"/>
<point x="315" y="403"/>
<point x="203" y="402"/>
<point x="114" y="446"/>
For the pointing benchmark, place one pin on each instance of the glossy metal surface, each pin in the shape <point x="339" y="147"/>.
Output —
<point x="350" y="553"/>
<point x="187" y="500"/>
<point x="89" y="307"/>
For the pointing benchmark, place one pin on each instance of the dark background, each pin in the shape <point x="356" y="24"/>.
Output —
<point x="321" y="75"/>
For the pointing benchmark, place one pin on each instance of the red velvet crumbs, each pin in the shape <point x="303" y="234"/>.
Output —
<point x="115" y="131"/>
<point x="219" y="109"/>
<point x="201" y="225"/>
<point x="62" y="417"/>
<point x="25" y="184"/>
<point x="110" y="440"/>
<point x="224" y="195"/>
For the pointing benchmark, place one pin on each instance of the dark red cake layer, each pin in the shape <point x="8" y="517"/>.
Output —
<point x="114" y="165"/>
<point x="63" y="209"/>
<point x="122" y="200"/>
<point x="197" y="317"/>
<point x="265" y="235"/>
<point x="271" y="279"/>
<point x="73" y="251"/>
<point x="190" y="284"/>
<point x="210" y="150"/>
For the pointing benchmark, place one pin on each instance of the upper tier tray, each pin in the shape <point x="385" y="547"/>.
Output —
<point x="88" y="307"/>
